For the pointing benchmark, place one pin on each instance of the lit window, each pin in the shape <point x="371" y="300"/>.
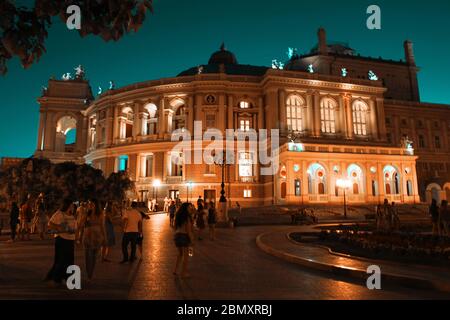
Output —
<point x="245" y="124"/>
<point x="360" y="118"/>
<point x="245" y="164"/>
<point x="294" y="113"/>
<point x="244" y="105"/>
<point x="327" y="107"/>
<point x="247" y="193"/>
<point x="123" y="163"/>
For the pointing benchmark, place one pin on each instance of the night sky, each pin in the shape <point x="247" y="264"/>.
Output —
<point x="181" y="34"/>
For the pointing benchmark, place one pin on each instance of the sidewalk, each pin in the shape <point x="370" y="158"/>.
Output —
<point x="319" y="258"/>
<point x="24" y="264"/>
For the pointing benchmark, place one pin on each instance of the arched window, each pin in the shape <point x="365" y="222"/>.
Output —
<point x="126" y="123"/>
<point x="360" y="118"/>
<point x="327" y="117"/>
<point x="374" y="188"/>
<point x="321" y="188"/>
<point x="66" y="131"/>
<point x="150" y="120"/>
<point x="294" y="113"/>
<point x="283" y="190"/>
<point x="297" y="186"/>
<point x="244" y="105"/>
<point x="409" y="188"/>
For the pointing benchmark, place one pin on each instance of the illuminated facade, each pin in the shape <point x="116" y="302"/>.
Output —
<point x="345" y="126"/>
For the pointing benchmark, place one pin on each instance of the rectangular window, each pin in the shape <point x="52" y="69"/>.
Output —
<point x="210" y="169"/>
<point x="389" y="138"/>
<point x="247" y="193"/>
<point x="245" y="164"/>
<point x="245" y="124"/>
<point x="149" y="166"/>
<point x="421" y="141"/>
<point x="437" y="142"/>
<point x="210" y="120"/>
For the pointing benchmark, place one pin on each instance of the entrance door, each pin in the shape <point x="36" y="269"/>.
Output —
<point x="209" y="195"/>
<point x="174" y="194"/>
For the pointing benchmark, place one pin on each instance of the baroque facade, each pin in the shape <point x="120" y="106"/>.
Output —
<point x="340" y="115"/>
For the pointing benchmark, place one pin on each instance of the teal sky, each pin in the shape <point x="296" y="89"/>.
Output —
<point x="182" y="34"/>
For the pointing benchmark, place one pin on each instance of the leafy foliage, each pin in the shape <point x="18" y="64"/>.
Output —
<point x="23" y="30"/>
<point x="63" y="180"/>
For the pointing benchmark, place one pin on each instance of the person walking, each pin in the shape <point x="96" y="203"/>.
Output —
<point x="93" y="234"/>
<point x="64" y="224"/>
<point x="444" y="218"/>
<point x="132" y="228"/>
<point x="212" y="220"/>
<point x="434" y="214"/>
<point x="200" y="221"/>
<point x="110" y="239"/>
<point x="172" y="210"/>
<point x="395" y="220"/>
<point x="183" y="238"/>
<point x="13" y="220"/>
<point x="200" y="202"/>
<point x="166" y="204"/>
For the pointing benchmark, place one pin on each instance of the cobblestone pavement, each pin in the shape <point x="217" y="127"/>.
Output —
<point x="24" y="264"/>
<point x="232" y="267"/>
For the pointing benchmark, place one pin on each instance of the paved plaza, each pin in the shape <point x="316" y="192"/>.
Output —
<point x="232" y="267"/>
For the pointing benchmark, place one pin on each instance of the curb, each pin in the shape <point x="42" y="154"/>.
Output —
<point x="411" y="282"/>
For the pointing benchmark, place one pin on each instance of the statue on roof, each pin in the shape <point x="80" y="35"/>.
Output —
<point x="406" y="143"/>
<point x="66" y="76"/>
<point x="79" y="72"/>
<point x="311" y="68"/>
<point x="373" y="76"/>
<point x="292" y="53"/>
<point x="100" y="90"/>
<point x="199" y="69"/>
<point x="112" y="85"/>
<point x="277" y="64"/>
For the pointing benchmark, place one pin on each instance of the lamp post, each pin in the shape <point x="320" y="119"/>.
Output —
<point x="156" y="185"/>
<point x="344" y="184"/>
<point x="223" y="199"/>
<point x="189" y="184"/>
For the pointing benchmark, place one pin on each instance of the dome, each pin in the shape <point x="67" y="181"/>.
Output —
<point x="223" y="56"/>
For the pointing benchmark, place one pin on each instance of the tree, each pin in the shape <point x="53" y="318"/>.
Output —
<point x="62" y="180"/>
<point x="23" y="30"/>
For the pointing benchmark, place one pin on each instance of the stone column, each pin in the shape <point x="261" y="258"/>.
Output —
<point x="50" y="132"/>
<point x="109" y="129"/>
<point x="136" y="120"/>
<point x="316" y="99"/>
<point x="309" y="113"/>
<point x="190" y="116"/>
<point x="41" y="132"/>
<point x="272" y="109"/>
<point x="143" y="119"/>
<point x="380" y="175"/>
<point x="282" y="111"/>
<point x="348" y="117"/>
<point x="220" y="121"/>
<point x="381" y="119"/>
<point x="161" y="118"/>
<point x="261" y="113"/>
<point x="304" y="182"/>
<point x="373" y="121"/>
<point x="230" y="115"/>
<point x="116" y="124"/>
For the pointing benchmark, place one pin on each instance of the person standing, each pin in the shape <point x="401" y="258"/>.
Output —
<point x="200" y="221"/>
<point x="444" y="217"/>
<point x="40" y="213"/>
<point x="166" y="204"/>
<point x="65" y="225"/>
<point x="200" y="202"/>
<point x="110" y="240"/>
<point x="386" y="219"/>
<point x="172" y="210"/>
<point x="93" y="234"/>
<point x="183" y="238"/>
<point x="434" y="214"/>
<point x="26" y="216"/>
<point x="13" y="220"/>
<point x="212" y="220"/>
<point x="132" y="228"/>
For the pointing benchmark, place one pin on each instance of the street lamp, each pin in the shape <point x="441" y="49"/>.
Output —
<point x="223" y="199"/>
<point x="156" y="184"/>
<point x="344" y="184"/>
<point x="189" y="184"/>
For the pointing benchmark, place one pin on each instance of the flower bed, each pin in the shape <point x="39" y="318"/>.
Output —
<point x="409" y="247"/>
